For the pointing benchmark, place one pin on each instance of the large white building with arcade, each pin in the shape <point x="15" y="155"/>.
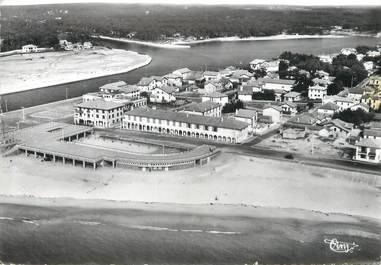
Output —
<point x="188" y="125"/>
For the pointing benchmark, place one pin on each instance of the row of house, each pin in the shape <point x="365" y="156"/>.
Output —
<point x="68" y="46"/>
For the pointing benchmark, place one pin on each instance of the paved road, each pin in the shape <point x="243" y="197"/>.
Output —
<point x="249" y="149"/>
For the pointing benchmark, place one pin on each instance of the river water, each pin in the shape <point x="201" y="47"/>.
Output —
<point x="211" y="56"/>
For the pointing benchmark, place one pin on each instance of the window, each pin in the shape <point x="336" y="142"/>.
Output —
<point x="215" y="129"/>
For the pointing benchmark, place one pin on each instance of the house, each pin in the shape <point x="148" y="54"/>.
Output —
<point x="340" y="128"/>
<point x="292" y="96"/>
<point x="147" y="84"/>
<point x="173" y="79"/>
<point x="348" y="51"/>
<point x="194" y="77"/>
<point x="270" y="66"/>
<point x="373" y="100"/>
<point x="164" y="94"/>
<point x="274" y="112"/>
<point x="245" y="94"/>
<point x="77" y="46"/>
<point x="99" y="113"/>
<point x="369" y="65"/>
<point x="29" y="48"/>
<point x="216" y="97"/>
<point x="325" y="58"/>
<point x="206" y="108"/>
<point x="226" y="83"/>
<point x="256" y="64"/>
<point x="87" y="45"/>
<point x="317" y="92"/>
<point x="325" y="82"/>
<point x="248" y="116"/>
<point x="289" y="108"/>
<point x="219" y="129"/>
<point x="130" y="91"/>
<point x="112" y="87"/>
<point x="343" y="102"/>
<point x="211" y="86"/>
<point x="254" y="85"/>
<point x="362" y="106"/>
<point x="240" y="76"/>
<point x="184" y="73"/>
<point x="92" y="96"/>
<point x="277" y="84"/>
<point x="211" y="75"/>
<point x="328" y="109"/>
<point x="305" y="120"/>
<point x="368" y="150"/>
<point x="373" y="53"/>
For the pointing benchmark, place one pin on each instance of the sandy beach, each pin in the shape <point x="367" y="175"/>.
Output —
<point x="28" y="71"/>
<point x="146" y="43"/>
<point x="230" y="179"/>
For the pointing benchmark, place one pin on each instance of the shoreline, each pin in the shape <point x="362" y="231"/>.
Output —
<point x="145" y="43"/>
<point x="68" y="80"/>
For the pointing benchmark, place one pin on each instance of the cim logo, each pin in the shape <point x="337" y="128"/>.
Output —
<point x="339" y="246"/>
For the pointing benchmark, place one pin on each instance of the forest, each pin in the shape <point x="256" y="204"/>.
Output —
<point x="42" y="25"/>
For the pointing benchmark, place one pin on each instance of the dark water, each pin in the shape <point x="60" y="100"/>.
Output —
<point x="200" y="57"/>
<point x="124" y="236"/>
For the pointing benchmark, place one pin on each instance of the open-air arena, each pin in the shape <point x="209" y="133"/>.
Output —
<point x="72" y="144"/>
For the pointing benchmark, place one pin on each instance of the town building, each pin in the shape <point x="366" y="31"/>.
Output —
<point x="292" y="96"/>
<point x="289" y="108"/>
<point x="184" y="73"/>
<point x="211" y="86"/>
<point x="206" y="108"/>
<point x="216" y="97"/>
<point x="317" y="92"/>
<point x="164" y="94"/>
<point x="112" y="87"/>
<point x="245" y="94"/>
<point x="256" y="64"/>
<point x="343" y="102"/>
<point x="348" y="51"/>
<point x="274" y="112"/>
<point x="99" y="113"/>
<point x="277" y="84"/>
<point x="211" y="75"/>
<point x="328" y="109"/>
<point x="340" y="128"/>
<point x="29" y="48"/>
<point x="247" y="115"/>
<point x="368" y="150"/>
<point x="188" y="125"/>
<point x="87" y="45"/>
<point x="194" y="77"/>
<point x="174" y="79"/>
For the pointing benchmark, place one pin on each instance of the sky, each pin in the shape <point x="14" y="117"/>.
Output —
<point x="209" y="2"/>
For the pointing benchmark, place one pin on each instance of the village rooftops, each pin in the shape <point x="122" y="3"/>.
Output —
<point x="346" y="126"/>
<point x="145" y="81"/>
<point x="304" y="119"/>
<point x="329" y="106"/>
<point x="215" y="95"/>
<point x="276" y="107"/>
<point x="129" y="89"/>
<point x="201" y="107"/>
<point x="172" y="76"/>
<point x="210" y="73"/>
<point x="100" y="104"/>
<point x="277" y="81"/>
<point x="245" y="91"/>
<point x="246" y="113"/>
<point x="371" y="143"/>
<point x="195" y="75"/>
<point x="257" y="61"/>
<point x="183" y="70"/>
<point x="359" y="90"/>
<point x="226" y="123"/>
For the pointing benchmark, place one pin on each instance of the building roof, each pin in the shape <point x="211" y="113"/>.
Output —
<point x="100" y="104"/>
<point x="246" y="113"/>
<point x="329" y="106"/>
<point x="195" y="75"/>
<point x="342" y="124"/>
<point x="288" y="103"/>
<point x="183" y="70"/>
<point x="172" y="76"/>
<point x="275" y="107"/>
<point x="145" y="81"/>
<point x="292" y="94"/>
<point x="304" y="119"/>
<point x="210" y="73"/>
<point x="201" y="107"/>
<point x="168" y="89"/>
<point x="367" y="142"/>
<point x="129" y="89"/>
<point x="114" y="85"/>
<point x="215" y="95"/>
<point x="227" y="123"/>
<point x="373" y="132"/>
<point x="317" y="87"/>
<point x="257" y="61"/>
<point x="245" y="91"/>
<point x="277" y="81"/>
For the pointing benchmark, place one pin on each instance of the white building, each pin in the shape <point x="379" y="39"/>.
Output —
<point x="183" y="72"/>
<point x="147" y="84"/>
<point x="348" y="51"/>
<point x="112" y="87"/>
<point x="256" y="64"/>
<point x="87" y="45"/>
<point x="343" y="102"/>
<point x="164" y="94"/>
<point x="274" y="112"/>
<point x="29" y="48"/>
<point x="277" y="84"/>
<point x="188" y="125"/>
<point x="373" y="53"/>
<point x="216" y="97"/>
<point x="206" y="108"/>
<point x="211" y="75"/>
<point x="368" y="65"/>
<point x="99" y="113"/>
<point x="328" y="109"/>
<point x="211" y="86"/>
<point x="248" y="116"/>
<point x="245" y="94"/>
<point x="368" y="150"/>
<point x="174" y="80"/>
<point x="317" y="92"/>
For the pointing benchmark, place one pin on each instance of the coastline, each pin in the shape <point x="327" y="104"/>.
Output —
<point x="145" y="43"/>
<point x="141" y="61"/>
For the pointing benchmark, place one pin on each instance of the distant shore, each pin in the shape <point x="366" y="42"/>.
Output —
<point x="145" y="43"/>
<point x="35" y="70"/>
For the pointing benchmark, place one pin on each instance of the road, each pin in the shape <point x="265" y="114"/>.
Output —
<point x="249" y="148"/>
